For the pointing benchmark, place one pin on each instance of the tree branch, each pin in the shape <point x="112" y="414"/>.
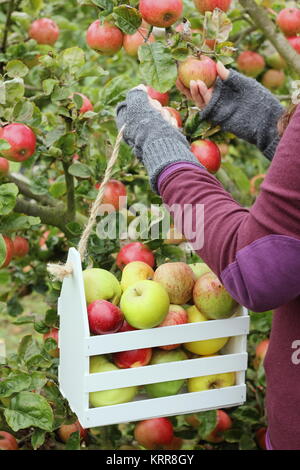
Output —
<point x="260" y="17"/>
<point x="26" y="191"/>
<point x="71" y="207"/>
<point x="10" y="11"/>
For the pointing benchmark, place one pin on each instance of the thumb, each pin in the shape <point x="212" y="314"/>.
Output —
<point x="222" y="71"/>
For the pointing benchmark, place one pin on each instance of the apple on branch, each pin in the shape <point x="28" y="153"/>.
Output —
<point x="161" y="13"/>
<point x="154" y="433"/>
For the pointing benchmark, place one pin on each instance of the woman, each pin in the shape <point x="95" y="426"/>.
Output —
<point x="256" y="252"/>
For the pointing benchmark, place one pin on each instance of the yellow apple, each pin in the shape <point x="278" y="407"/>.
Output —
<point x="210" y="382"/>
<point x="134" y="272"/>
<point x="100" y="284"/>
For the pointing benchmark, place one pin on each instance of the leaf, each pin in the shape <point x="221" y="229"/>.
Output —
<point x="58" y="189"/>
<point x="48" y="85"/>
<point x="106" y="6"/>
<point x="8" y="196"/>
<point x="67" y="144"/>
<point x="29" y="409"/>
<point x="237" y="175"/>
<point x="14" y="90"/>
<point x="16" y="68"/>
<point x="14" y="383"/>
<point x="217" y="25"/>
<point x="208" y="422"/>
<point x="180" y="53"/>
<point x="14" y="308"/>
<point x="23" y="111"/>
<point x="73" y="443"/>
<point x="247" y="442"/>
<point x="2" y="250"/>
<point x="158" y="67"/>
<point x="18" y="222"/>
<point x="38" y="438"/>
<point x="80" y="170"/>
<point x="72" y="58"/>
<point x="247" y="414"/>
<point x="127" y="18"/>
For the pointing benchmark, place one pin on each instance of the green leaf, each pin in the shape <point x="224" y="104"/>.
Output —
<point x="29" y="409"/>
<point x="67" y="144"/>
<point x="16" y="68"/>
<point x="14" y="383"/>
<point x="208" y="422"/>
<point x="8" y="196"/>
<point x="158" y="67"/>
<point x="23" y="111"/>
<point x="247" y="414"/>
<point x="80" y="170"/>
<point x="18" y="222"/>
<point x="73" y="443"/>
<point x="14" y="308"/>
<point x="60" y="93"/>
<point x="58" y="189"/>
<point x="247" y="442"/>
<point x="237" y="175"/>
<point x="72" y="58"/>
<point x="106" y="6"/>
<point x="24" y="320"/>
<point x="14" y="90"/>
<point x="38" y="438"/>
<point x="128" y="19"/>
<point x="48" y="85"/>
<point x="180" y="53"/>
<point x="2" y="250"/>
<point x="217" y="25"/>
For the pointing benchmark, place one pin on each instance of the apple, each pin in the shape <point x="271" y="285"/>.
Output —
<point x="53" y="334"/>
<point x="154" y="433"/>
<point x="114" y="191"/>
<point x="8" y="441"/>
<point x="134" y="272"/>
<point x="212" y="299"/>
<point x="76" y="157"/>
<point x="21" y="247"/>
<point x="260" y="352"/>
<point x="163" y="98"/>
<point x="178" y="280"/>
<point x="100" y="284"/>
<point x="208" y="154"/>
<point x="199" y="269"/>
<point x="135" y="251"/>
<point x="4" y="166"/>
<point x="44" y="31"/>
<point x="108" y="397"/>
<point x="273" y="79"/>
<point x="193" y="68"/>
<point x="175" y="114"/>
<point x="104" y="317"/>
<point x="161" y="14"/>
<point x="295" y="43"/>
<point x="288" y="21"/>
<point x="211" y="382"/>
<point x="170" y="387"/>
<point x="224" y="422"/>
<point x="21" y="139"/>
<point x="132" y="42"/>
<point x="204" y="347"/>
<point x="260" y="437"/>
<point x="175" y="444"/>
<point x="104" y="38"/>
<point x="145" y="304"/>
<point x="275" y="61"/>
<point x="176" y="316"/>
<point x="174" y="237"/>
<point x="132" y="358"/>
<point x="9" y="246"/>
<point x="126" y="327"/>
<point x="86" y="105"/>
<point x="210" y="5"/>
<point x="65" y="431"/>
<point x="250" y="63"/>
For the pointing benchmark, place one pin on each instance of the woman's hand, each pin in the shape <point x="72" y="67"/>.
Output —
<point x="199" y="93"/>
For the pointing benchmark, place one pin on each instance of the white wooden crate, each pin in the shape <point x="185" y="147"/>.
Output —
<point x="77" y="345"/>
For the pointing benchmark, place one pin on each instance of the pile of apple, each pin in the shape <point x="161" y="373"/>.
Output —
<point x="174" y="294"/>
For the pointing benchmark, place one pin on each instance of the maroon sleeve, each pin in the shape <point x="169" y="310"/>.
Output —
<point x="255" y="253"/>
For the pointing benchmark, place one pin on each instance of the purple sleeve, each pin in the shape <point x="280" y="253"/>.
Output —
<point x="256" y="253"/>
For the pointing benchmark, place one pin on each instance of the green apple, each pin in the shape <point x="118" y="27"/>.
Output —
<point x="134" y="272"/>
<point x="100" y="284"/>
<point x="108" y="397"/>
<point x="145" y="304"/>
<point x="210" y="382"/>
<point x="171" y="387"/>
<point x="199" y="269"/>
<point x="207" y="346"/>
<point x="212" y="299"/>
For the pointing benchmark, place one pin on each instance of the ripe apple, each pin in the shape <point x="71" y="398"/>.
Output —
<point x="134" y="272"/>
<point x="275" y="61"/>
<point x="65" y="431"/>
<point x="178" y="280"/>
<point x="273" y="79"/>
<point x="210" y="5"/>
<point x="260" y="437"/>
<point x="208" y="154"/>
<point x="8" y="441"/>
<point x="210" y="382"/>
<point x="100" y="284"/>
<point x="53" y="334"/>
<point x="295" y="43"/>
<point x="260" y="352"/>
<point x="175" y="114"/>
<point x="9" y="251"/>
<point x="132" y="42"/>
<point x="104" y="38"/>
<point x="170" y="387"/>
<point x="104" y="317"/>
<point x="163" y="98"/>
<point x="114" y="191"/>
<point x="126" y="327"/>
<point x="175" y="444"/>
<point x="176" y="316"/>
<point x="145" y="304"/>
<point x="212" y="299"/>
<point x="288" y="21"/>
<point x="250" y="63"/>
<point x="193" y="68"/>
<point x="86" y="105"/>
<point x="204" y="347"/>
<point x="132" y="358"/>
<point x="161" y="14"/>
<point x="135" y="251"/>
<point x="44" y="31"/>
<point x="108" y="397"/>
<point x="21" y="139"/>
<point x="199" y="269"/>
<point x="154" y="433"/>
<point x="4" y="166"/>
<point x="224" y="423"/>
<point x="21" y="247"/>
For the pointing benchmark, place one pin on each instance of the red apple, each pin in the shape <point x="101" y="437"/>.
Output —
<point x="210" y="5"/>
<point x="163" y="98"/>
<point x="132" y="42"/>
<point x="208" y="154"/>
<point x="126" y="327"/>
<point x="21" y="139"/>
<point x="193" y="68"/>
<point x="224" y="422"/>
<point x="178" y="280"/>
<point x="295" y="43"/>
<point x="21" y="247"/>
<point x="132" y="358"/>
<point x="176" y="316"/>
<point x="273" y="79"/>
<point x="75" y="157"/>
<point x="105" y="38"/>
<point x="260" y="437"/>
<point x="260" y="352"/>
<point x="104" y="317"/>
<point x="175" y="444"/>
<point x="135" y="251"/>
<point x="8" y="441"/>
<point x="113" y="192"/>
<point x="9" y="251"/>
<point x="161" y="14"/>
<point x="66" y="430"/>
<point x="53" y="333"/>
<point x="4" y="166"/>
<point x="86" y="105"/>
<point x="250" y="63"/>
<point x="288" y="21"/>
<point x="175" y="114"/>
<point x="154" y="433"/>
<point x="44" y="31"/>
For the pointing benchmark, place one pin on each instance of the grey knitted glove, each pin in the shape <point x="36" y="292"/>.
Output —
<point x="154" y="141"/>
<point x="244" y="107"/>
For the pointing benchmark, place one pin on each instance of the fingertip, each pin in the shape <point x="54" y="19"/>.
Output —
<point x="222" y="71"/>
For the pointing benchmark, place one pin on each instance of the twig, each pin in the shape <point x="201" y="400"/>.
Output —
<point x="10" y="11"/>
